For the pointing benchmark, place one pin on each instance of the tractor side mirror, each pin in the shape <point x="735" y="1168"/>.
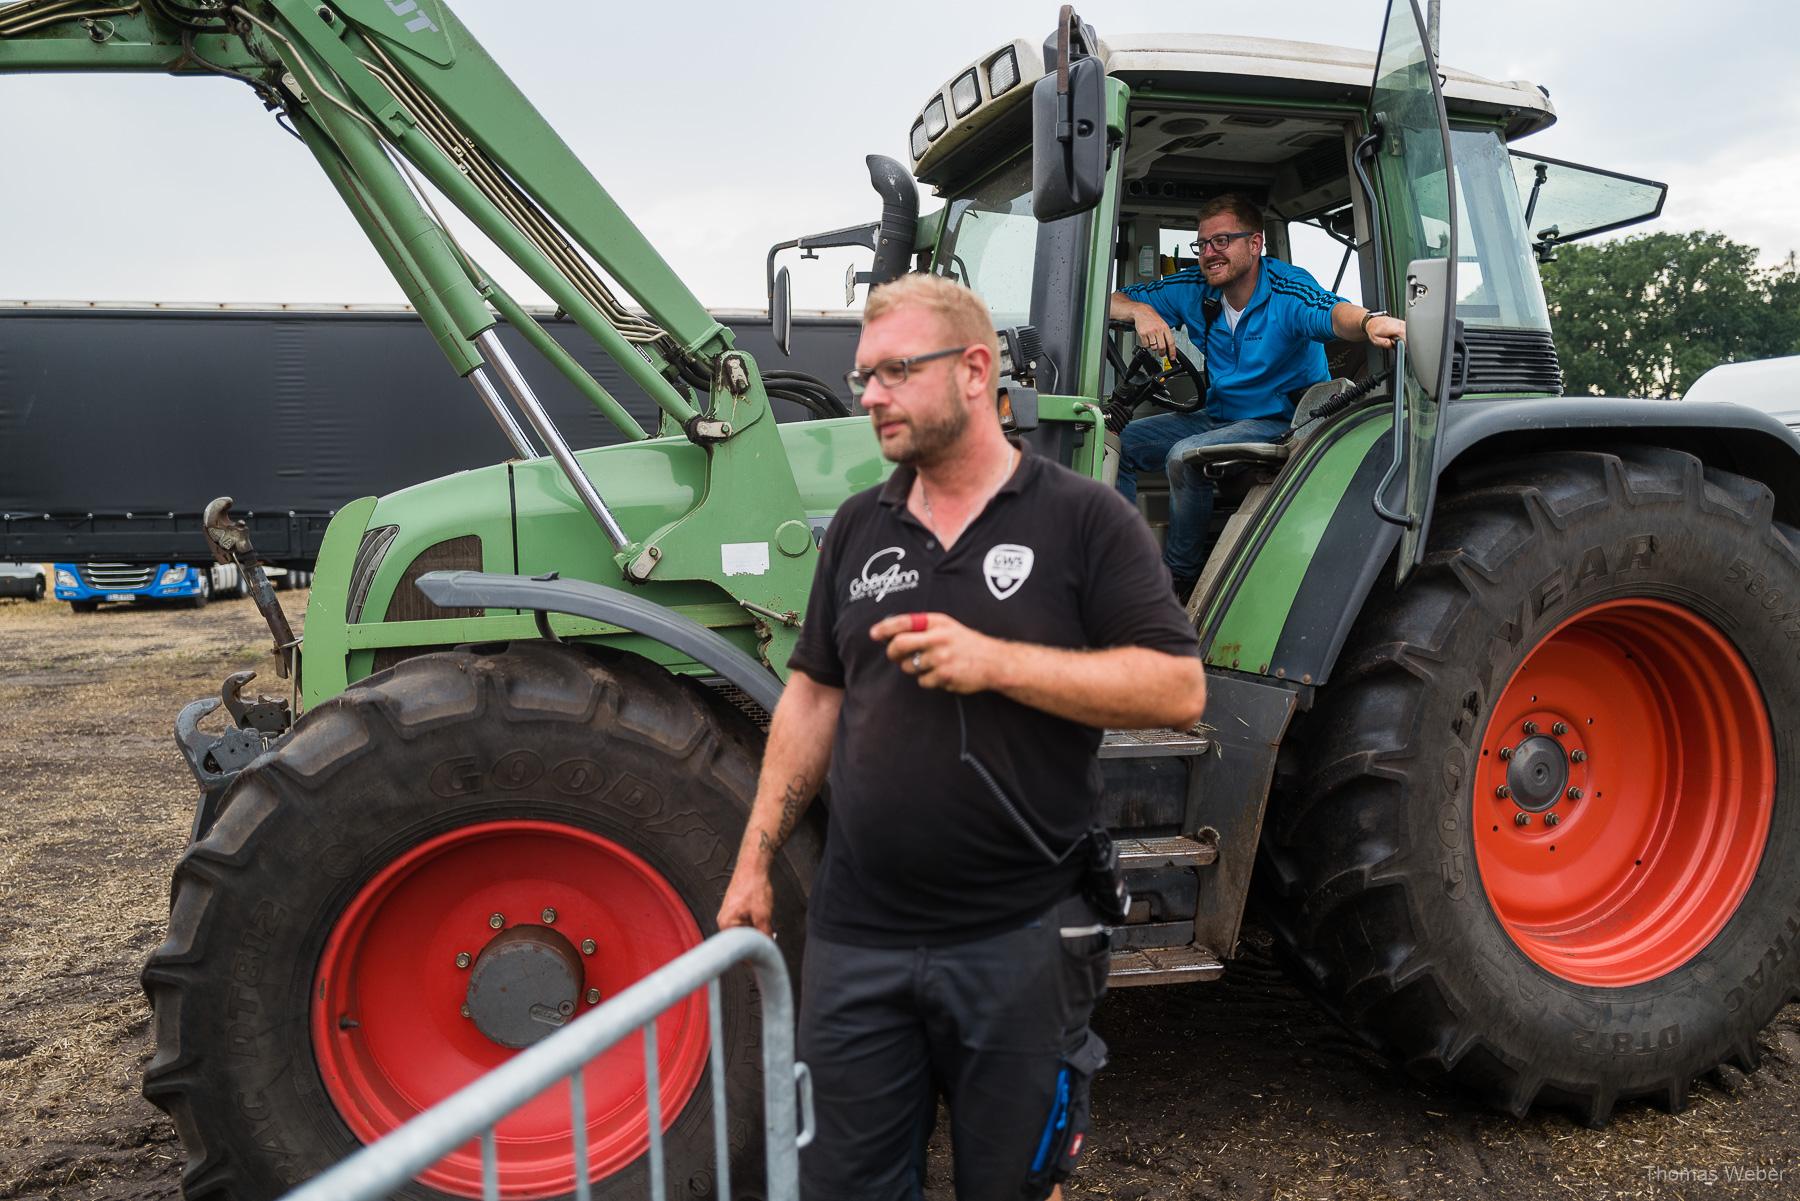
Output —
<point x="781" y="311"/>
<point x="1068" y="125"/>
<point x="1428" y="309"/>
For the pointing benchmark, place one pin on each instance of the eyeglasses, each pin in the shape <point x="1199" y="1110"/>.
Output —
<point x="1220" y="242"/>
<point x="893" y="372"/>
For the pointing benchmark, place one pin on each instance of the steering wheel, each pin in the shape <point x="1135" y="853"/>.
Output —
<point x="1146" y="378"/>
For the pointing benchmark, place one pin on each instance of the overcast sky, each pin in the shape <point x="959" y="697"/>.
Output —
<point x="724" y="127"/>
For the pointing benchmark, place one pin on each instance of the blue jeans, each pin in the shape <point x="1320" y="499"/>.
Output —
<point x="1152" y="442"/>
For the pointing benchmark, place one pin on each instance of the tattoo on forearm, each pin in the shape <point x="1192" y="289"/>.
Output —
<point x="792" y="801"/>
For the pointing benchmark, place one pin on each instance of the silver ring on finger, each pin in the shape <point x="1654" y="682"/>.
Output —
<point x="918" y="661"/>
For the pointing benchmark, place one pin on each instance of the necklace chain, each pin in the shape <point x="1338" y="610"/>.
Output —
<point x="931" y="518"/>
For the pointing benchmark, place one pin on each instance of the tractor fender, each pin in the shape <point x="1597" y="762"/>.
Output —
<point x="1354" y="546"/>
<point x="582" y="598"/>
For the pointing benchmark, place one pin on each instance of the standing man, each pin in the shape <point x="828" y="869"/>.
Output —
<point x="974" y="624"/>
<point x="1261" y="324"/>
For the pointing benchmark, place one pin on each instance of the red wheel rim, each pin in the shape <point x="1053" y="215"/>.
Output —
<point x="1626" y="866"/>
<point x="387" y="1024"/>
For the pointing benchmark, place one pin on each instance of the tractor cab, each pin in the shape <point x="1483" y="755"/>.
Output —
<point x="1345" y="152"/>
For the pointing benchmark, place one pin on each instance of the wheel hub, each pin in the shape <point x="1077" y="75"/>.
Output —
<point x="1537" y="773"/>
<point x="524" y="985"/>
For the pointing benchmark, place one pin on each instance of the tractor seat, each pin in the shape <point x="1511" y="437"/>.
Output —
<point x="1229" y="458"/>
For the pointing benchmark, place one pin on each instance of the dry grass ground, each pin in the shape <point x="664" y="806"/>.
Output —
<point x="1232" y="1090"/>
<point x="95" y="805"/>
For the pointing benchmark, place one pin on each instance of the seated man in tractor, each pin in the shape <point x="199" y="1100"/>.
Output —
<point x="1262" y="325"/>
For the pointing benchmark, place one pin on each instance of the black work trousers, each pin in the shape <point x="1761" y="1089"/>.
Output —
<point x="998" y="1027"/>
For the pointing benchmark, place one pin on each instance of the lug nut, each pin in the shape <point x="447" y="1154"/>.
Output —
<point x="1503" y="792"/>
<point x="1531" y="727"/>
<point x="1560" y="728"/>
<point x="1550" y="819"/>
<point x="462" y="959"/>
<point x="549" y="916"/>
<point x="465" y="1011"/>
<point x="1506" y="752"/>
<point x="496" y="920"/>
<point x="1578" y="756"/>
<point x="588" y="946"/>
<point x="1521" y="818"/>
<point x="1574" y="794"/>
<point x="593" y="996"/>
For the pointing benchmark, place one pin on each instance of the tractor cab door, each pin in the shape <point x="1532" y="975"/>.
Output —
<point x="1417" y="218"/>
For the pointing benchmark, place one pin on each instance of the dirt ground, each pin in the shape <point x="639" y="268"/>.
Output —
<point x="1231" y="1090"/>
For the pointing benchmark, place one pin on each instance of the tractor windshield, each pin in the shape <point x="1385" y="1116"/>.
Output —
<point x="990" y="242"/>
<point x="1496" y="280"/>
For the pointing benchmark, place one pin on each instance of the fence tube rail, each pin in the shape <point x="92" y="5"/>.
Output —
<point x="396" y="1159"/>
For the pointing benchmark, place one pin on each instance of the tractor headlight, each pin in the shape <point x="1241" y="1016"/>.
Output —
<point x="172" y="576"/>
<point x="965" y="93"/>
<point x="919" y="140"/>
<point x="1003" y="72"/>
<point x="936" y="120"/>
<point x="66" y="579"/>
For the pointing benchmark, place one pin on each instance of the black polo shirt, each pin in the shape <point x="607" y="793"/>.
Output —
<point x="919" y="850"/>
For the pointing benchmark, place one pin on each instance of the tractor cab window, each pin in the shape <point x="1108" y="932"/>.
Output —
<point x="1566" y="201"/>
<point x="990" y="242"/>
<point x="1496" y="281"/>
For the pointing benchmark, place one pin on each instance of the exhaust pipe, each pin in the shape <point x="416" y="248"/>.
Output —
<point x="899" y="219"/>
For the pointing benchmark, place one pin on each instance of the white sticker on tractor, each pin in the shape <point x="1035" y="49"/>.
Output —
<point x="1006" y="567"/>
<point x="745" y="558"/>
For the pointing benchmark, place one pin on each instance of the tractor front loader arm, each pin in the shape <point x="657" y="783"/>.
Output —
<point x="393" y="95"/>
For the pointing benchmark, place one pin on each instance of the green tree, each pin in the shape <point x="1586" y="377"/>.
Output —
<point x="1645" y="316"/>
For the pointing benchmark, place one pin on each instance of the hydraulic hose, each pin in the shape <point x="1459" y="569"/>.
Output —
<point x="803" y="389"/>
<point x="1349" y="396"/>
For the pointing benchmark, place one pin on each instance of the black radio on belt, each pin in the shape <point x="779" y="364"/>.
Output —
<point x="1103" y="883"/>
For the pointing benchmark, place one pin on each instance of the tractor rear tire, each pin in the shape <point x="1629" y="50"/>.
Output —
<point x="308" y="997"/>
<point x="1611" y="907"/>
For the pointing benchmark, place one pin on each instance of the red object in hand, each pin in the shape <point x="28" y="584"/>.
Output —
<point x="918" y="623"/>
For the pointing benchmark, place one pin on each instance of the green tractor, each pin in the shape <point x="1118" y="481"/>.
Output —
<point x="1501" y="680"/>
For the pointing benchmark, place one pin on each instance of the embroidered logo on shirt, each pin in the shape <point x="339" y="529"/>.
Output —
<point x="1006" y="567"/>
<point x="875" y="585"/>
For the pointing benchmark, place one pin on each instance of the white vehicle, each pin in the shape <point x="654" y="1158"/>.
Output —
<point x="1772" y="385"/>
<point x="22" y="579"/>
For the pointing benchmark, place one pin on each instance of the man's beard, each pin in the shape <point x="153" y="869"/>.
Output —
<point x="929" y="435"/>
<point x="1233" y="273"/>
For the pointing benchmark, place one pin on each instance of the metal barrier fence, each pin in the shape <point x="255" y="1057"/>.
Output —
<point x="394" y="1160"/>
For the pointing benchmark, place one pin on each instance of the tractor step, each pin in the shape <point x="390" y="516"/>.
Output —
<point x="1188" y="964"/>
<point x="1152" y="744"/>
<point x="1151" y="853"/>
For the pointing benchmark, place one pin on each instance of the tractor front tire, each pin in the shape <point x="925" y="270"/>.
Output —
<point x="1541" y="835"/>
<point x="325" y="933"/>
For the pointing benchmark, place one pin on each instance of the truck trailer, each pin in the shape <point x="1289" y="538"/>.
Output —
<point x="119" y="422"/>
